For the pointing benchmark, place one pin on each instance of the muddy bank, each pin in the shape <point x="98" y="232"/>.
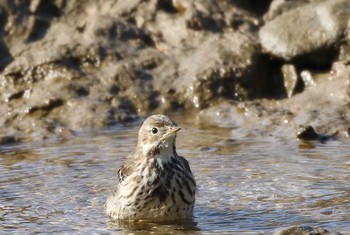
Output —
<point x="325" y="107"/>
<point x="69" y="66"/>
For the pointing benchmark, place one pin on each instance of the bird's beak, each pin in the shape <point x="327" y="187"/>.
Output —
<point x="174" y="130"/>
<point x="171" y="132"/>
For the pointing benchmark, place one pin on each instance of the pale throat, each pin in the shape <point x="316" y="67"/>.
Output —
<point x="166" y="148"/>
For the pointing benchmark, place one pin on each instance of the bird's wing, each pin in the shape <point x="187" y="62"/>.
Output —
<point x="125" y="170"/>
<point x="185" y="163"/>
<point x="188" y="169"/>
<point x="121" y="174"/>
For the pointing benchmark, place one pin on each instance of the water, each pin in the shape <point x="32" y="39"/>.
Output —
<point x="245" y="186"/>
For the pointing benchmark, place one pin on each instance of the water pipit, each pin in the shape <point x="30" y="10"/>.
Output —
<point x="154" y="183"/>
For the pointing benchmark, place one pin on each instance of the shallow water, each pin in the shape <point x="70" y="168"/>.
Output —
<point x="253" y="186"/>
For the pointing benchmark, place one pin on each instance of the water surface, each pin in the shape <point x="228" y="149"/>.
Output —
<point x="254" y="186"/>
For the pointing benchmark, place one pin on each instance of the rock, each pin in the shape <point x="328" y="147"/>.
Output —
<point x="308" y="134"/>
<point x="222" y="67"/>
<point x="61" y="84"/>
<point x="307" y="34"/>
<point x="9" y="139"/>
<point x="325" y="107"/>
<point x="290" y="78"/>
<point x="307" y="78"/>
<point x="292" y="83"/>
<point x="278" y="7"/>
<point x="306" y="230"/>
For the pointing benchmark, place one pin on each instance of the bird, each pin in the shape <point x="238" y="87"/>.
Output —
<point x="154" y="183"/>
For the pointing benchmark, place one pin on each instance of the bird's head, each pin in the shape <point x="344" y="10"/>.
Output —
<point x="157" y="134"/>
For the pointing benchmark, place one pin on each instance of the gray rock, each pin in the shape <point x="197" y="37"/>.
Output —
<point x="9" y="139"/>
<point x="325" y="107"/>
<point x="308" y="33"/>
<point x="307" y="78"/>
<point x="222" y="67"/>
<point x="74" y="81"/>
<point x="278" y="7"/>
<point x="290" y="77"/>
<point x="306" y="230"/>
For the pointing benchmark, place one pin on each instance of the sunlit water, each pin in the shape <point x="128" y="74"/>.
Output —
<point x="251" y="186"/>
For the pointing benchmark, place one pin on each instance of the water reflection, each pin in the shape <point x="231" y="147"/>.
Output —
<point x="144" y="227"/>
<point x="244" y="185"/>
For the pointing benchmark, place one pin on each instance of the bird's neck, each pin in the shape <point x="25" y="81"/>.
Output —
<point x="167" y="151"/>
<point x="163" y="150"/>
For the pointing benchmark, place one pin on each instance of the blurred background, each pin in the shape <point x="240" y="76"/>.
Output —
<point x="67" y="66"/>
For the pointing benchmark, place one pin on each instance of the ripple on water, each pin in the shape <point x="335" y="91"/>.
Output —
<point x="244" y="186"/>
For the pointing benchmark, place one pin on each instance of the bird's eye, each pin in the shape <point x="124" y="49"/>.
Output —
<point x="154" y="130"/>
